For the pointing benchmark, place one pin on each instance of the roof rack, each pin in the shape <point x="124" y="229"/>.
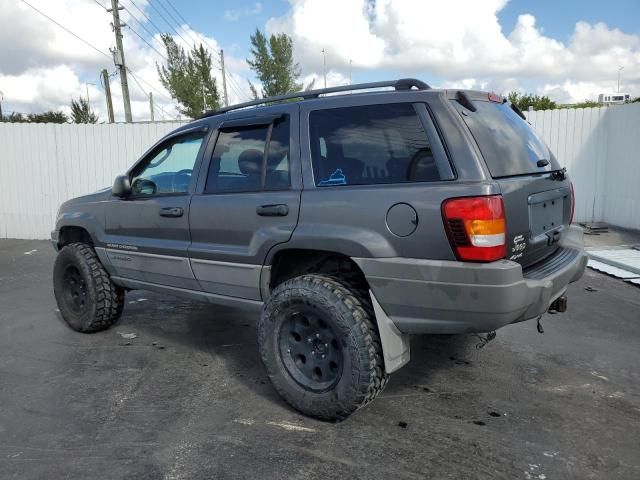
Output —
<point x="401" y="84"/>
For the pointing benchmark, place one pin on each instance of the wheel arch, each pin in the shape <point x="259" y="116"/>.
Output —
<point x="292" y="262"/>
<point x="74" y="234"/>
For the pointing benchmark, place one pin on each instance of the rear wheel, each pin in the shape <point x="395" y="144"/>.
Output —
<point x="320" y="347"/>
<point x="87" y="299"/>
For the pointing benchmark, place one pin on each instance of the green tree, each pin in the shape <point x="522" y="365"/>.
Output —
<point x="81" y="112"/>
<point x="187" y="76"/>
<point x="273" y="64"/>
<point x="525" y="100"/>
<point x="14" y="117"/>
<point x="48" y="117"/>
<point x="585" y="104"/>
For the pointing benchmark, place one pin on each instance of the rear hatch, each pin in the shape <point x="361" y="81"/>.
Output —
<point x="536" y="192"/>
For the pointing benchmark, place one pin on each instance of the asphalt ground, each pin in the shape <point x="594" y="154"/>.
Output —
<point x="189" y="398"/>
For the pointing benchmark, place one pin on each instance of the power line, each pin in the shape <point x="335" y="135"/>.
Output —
<point x="232" y="82"/>
<point x="167" y="22"/>
<point x="150" y="46"/>
<point x="177" y="12"/>
<point x="145" y="16"/>
<point x="151" y="34"/>
<point x="147" y="84"/>
<point x="195" y="40"/>
<point x="66" y="29"/>
<point x="135" y="78"/>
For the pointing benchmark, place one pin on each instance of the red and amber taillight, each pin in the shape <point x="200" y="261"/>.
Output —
<point x="476" y="227"/>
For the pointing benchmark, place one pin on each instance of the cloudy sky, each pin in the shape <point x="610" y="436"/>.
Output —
<point x="570" y="50"/>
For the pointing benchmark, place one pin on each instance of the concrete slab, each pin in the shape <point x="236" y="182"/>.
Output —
<point x="187" y="396"/>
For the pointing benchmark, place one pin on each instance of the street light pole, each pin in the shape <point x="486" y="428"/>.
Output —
<point x="619" y="70"/>
<point x="324" y="67"/>
<point x="87" y="87"/>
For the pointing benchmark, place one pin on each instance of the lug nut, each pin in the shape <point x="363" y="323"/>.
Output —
<point x="317" y="335"/>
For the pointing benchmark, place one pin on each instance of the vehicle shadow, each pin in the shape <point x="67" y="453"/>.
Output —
<point x="228" y="336"/>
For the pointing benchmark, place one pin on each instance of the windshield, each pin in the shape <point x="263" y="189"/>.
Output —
<point x="507" y="142"/>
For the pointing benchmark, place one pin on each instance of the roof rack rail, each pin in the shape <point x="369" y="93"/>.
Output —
<point x="401" y="84"/>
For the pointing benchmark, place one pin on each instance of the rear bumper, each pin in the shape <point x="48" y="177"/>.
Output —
<point x="434" y="296"/>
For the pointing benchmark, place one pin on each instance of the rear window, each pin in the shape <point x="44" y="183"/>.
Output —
<point x="507" y="142"/>
<point x="370" y="144"/>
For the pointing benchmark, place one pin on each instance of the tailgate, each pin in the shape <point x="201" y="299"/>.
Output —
<point x="538" y="211"/>
<point x="536" y="192"/>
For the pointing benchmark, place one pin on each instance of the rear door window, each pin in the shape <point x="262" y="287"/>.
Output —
<point x="251" y="158"/>
<point x="507" y="142"/>
<point x="371" y="144"/>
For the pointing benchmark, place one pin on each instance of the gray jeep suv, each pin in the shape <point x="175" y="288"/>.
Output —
<point x="351" y="221"/>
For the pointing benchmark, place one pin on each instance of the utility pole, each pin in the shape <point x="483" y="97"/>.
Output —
<point x="224" y="79"/>
<point x="107" y="92"/>
<point x="118" y="57"/>
<point x="324" y="67"/>
<point x="619" y="70"/>
<point x="151" y="106"/>
<point x="350" y="71"/>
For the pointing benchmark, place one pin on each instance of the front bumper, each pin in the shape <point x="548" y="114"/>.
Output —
<point x="436" y="296"/>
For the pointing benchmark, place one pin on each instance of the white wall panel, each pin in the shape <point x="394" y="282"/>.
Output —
<point x="42" y="165"/>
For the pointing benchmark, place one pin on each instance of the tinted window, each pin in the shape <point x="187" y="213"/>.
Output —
<point x="370" y="144"/>
<point x="507" y="142"/>
<point x="277" y="174"/>
<point x="238" y="158"/>
<point x="169" y="168"/>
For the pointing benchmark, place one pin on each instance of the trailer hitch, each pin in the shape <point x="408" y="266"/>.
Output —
<point x="559" y="305"/>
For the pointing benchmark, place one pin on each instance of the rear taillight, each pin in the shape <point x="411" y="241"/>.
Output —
<point x="573" y="201"/>
<point x="476" y="227"/>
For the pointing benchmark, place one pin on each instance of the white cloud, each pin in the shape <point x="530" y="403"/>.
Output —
<point x="235" y="15"/>
<point x="46" y="67"/>
<point x="459" y="40"/>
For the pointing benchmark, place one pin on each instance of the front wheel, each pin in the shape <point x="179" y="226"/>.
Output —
<point x="87" y="299"/>
<point x="320" y="347"/>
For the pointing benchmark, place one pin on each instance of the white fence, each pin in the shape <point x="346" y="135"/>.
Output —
<point x="43" y="165"/>
<point x="601" y="149"/>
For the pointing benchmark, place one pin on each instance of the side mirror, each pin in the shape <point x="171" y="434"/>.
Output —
<point x="121" y="186"/>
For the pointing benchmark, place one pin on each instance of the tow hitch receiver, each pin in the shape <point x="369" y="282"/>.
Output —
<point x="559" y="305"/>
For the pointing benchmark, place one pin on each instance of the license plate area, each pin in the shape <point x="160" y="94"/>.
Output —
<point x="546" y="211"/>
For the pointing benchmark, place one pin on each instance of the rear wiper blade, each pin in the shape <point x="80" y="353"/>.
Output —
<point x="465" y="101"/>
<point x="518" y="111"/>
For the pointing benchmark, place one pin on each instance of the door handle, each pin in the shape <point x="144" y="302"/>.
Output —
<point x="171" y="212"/>
<point x="279" y="210"/>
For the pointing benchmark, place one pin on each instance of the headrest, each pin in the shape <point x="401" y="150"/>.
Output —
<point x="250" y="161"/>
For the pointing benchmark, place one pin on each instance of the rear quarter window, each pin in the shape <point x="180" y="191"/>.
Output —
<point x="508" y="143"/>
<point x="371" y="144"/>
